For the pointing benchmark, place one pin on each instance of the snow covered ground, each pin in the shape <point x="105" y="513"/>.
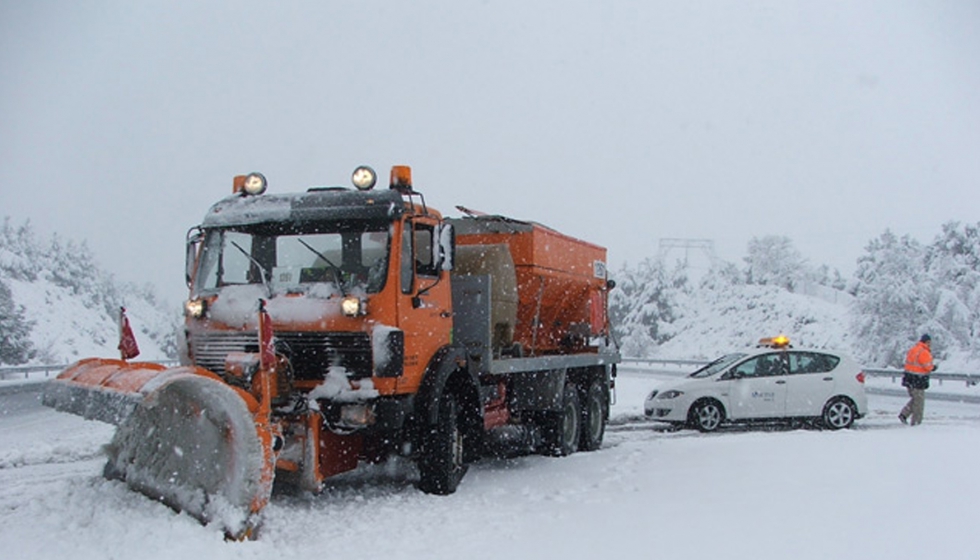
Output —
<point x="880" y="490"/>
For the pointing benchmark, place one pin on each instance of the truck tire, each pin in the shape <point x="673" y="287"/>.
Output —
<point x="593" y="417"/>
<point x="441" y="464"/>
<point x="562" y="430"/>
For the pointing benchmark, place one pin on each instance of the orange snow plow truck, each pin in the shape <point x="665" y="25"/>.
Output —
<point x="339" y="325"/>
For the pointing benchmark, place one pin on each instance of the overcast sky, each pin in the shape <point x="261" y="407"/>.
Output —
<point x="618" y="122"/>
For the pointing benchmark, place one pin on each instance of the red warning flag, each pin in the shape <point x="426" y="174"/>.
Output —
<point x="128" y="348"/>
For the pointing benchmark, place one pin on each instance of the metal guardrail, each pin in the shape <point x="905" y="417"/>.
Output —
<point x="971" y="379"/>
<point x="666" y="361"/>
<point x="24" y="372"/>
<point x="50" y="370"/>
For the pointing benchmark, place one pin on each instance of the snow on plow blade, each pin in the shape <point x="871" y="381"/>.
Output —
<point x="184" y="437"/>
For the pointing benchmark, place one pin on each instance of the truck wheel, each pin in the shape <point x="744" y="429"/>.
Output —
<point x="593" y="417"/>
<point x="562" y="429"/>
<point x="441" y="464"/>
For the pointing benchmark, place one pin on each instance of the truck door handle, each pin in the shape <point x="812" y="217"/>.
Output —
<point x="828" y="378"/>
<point x="781" y="382"/>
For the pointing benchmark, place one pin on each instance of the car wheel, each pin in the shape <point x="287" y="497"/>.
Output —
<point x="706" y="415"/>
<point x="839" y="413"/>
<point x="593" y="417"/>
<point x="562" y="429"/>
<point x="441" y="466"/>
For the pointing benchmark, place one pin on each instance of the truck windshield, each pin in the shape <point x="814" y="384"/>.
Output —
<point x="717" y="365"/>
<point x="354" y="257"/>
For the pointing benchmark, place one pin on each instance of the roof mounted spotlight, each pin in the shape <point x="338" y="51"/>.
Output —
<point x="251" y="184"/>
<point x="401" y="179"/>
<point x="364" y="178"/>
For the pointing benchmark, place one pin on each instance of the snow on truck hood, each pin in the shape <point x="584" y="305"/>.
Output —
<point x="238" y="305"/>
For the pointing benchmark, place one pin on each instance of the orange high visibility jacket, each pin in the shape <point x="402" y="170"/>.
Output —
<point x="919" y="359"/>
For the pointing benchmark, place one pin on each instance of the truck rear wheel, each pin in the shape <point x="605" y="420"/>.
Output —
<point x="441" y="465"/>
<point x="562" y="429"/>
<point x="593" y="417"/>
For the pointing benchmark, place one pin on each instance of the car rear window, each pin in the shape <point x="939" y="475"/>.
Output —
<point x="812" y="362"/>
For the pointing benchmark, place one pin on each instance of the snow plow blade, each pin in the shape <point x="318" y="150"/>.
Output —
<point x="185" y="437"/>
<point x="102" y="389"/>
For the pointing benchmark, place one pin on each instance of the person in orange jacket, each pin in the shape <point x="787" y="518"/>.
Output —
<point x="918" y="366"/>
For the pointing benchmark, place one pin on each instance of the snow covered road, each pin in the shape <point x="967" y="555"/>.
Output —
<point x="881" y="490"/>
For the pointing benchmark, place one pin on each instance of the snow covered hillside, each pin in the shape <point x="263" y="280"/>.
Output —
<point x="57" y="305"/>
<point x="721" y="320"/>
<point x="68" y="328"/>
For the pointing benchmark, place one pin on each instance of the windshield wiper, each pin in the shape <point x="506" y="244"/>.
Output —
<point x="333" y="268"/>
<point x="262" y="271"/>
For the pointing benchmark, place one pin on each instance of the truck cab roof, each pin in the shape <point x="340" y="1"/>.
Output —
<point x="316" y="204"/>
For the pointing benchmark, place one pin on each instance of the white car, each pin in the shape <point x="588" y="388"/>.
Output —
<point x="774" y="381"/>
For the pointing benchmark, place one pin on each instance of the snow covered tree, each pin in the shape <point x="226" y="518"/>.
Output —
<point x="643" y="305"/>
<point x="953" y="260"/>
<point x="15" y="330"/>
<point x="73" y="266"/>
<point x="722" y="275"/>
<point x="772" y="260"/>
<point x="20" y="256"/>
<point x="894" y="299"/>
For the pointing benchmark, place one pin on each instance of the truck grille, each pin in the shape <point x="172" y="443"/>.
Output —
<point x="311" y="353"/>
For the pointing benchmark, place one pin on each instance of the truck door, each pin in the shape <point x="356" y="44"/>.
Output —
<point x="424" y="300"/>
<point x="758" y="387"/>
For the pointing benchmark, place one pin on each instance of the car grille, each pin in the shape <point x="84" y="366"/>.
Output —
<point x="310" y="353"/>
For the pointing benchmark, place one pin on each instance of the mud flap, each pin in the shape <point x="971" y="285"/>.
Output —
<point x="193" y="444"/>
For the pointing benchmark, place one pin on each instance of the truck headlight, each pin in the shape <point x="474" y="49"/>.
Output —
<point x="195" y="308"/>
<point x="352" y="306"/>
<point x="356" y="415"/>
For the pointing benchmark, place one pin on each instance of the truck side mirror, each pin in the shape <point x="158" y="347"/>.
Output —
<point x="444" y="247"/>
<point x="194" y="237"/>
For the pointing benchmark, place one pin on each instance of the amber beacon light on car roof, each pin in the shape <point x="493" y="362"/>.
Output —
<point x="780" y="341"/>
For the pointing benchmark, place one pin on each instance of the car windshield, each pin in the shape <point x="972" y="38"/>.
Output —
<point x="718" y="365"/>
<point x="347" y="256"/>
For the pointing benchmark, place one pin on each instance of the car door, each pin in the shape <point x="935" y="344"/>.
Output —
<point x="810" y="383"/>
<point x="758" y="387"/>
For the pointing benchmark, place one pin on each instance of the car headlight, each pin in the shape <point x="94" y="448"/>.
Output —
<point x="672" y="394"/>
